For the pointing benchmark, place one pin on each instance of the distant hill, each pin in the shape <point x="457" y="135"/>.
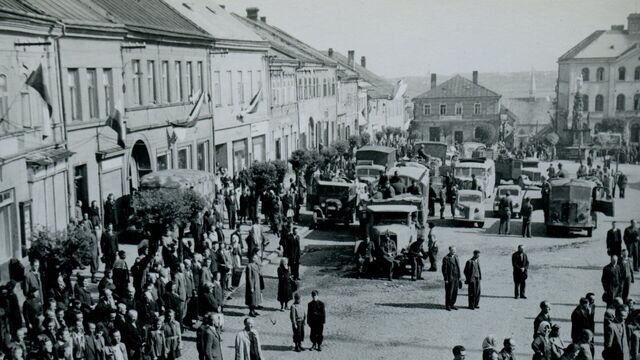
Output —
<point x="509" y="85"/>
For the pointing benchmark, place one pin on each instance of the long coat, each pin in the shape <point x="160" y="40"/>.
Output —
<point x="243" y="346"/>
<point x="285" y="292"/>
<point x="208" y="343"/>
<point x="519" y="262"/>
<point x="614" y="242"/>
<point x="616" y="346"/>
<point x="451" y="268"/>
<point x="253" y="292"/>
<point x="611" y="281"/>
<point x="580" y="321"/>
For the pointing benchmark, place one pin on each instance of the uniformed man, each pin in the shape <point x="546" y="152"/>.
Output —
<point x="387" y="254"/>
<point x="451" y="274"/>
<point x="365" y="257"/>
<point x="473" y="276"/>
<point x="416" y="256"/>
<point x="527" y="210"/>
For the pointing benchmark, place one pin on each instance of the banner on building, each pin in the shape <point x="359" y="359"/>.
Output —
<point x="252" y="107"/>
<point x="37" y="80"/>
<point x="115" y="122"/>
<point x="192" y="118"/>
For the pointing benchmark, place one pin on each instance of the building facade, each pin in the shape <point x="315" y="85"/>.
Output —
<point x="605" y="69"/>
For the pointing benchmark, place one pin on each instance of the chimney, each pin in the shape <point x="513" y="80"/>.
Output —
<point x="351" y="55"/>
<point x="634" y="24"/>
<point x="223" y="6"/>
<point x="252" y="13"/>
<point x="475" y="77"/>
<point x="330" y="52"/>
<point x="434" y="80"/>
<point x="263" y="19"/>
<point x="363" y="61"/>
<point x="617" y="27"/>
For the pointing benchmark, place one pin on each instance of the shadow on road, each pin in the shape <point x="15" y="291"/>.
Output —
<point x="276" y="347"/>
<point x="428" y="306"/>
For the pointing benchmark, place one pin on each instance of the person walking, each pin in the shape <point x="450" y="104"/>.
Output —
<point x="631" y="239"/>
<point x="614" y="240"/>
<point x="206" y="337"/>
<point x="611" y="281"/>
<point x="580" y="319"/>
<point x="459" y="352"/>
<point x="520" y="264"/>
<point x="247" y="343"/>
<point x="253" y="291"/>
<point x="473" y="276"/>
<point x="489" y="348"/>
<point x="626" y="275"/>
<point x="557" y="345"/>
<point x="298" y="317"/>
<point x="451" y="274"/>
<point x="508" y="350"/>
<point x="526" y="212"/>
<point x="285" y="290"/>
<point x="316" y="318"/>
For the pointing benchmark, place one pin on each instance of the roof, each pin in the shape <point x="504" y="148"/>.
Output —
<point x="285" y="44"/>
<point x="381" y="87"/>
<point x="458" y="87"/>
<point x="411" y="172"/>
<point x="508" y="186"/>
<point x="385" y="149"/>
<point x="392" y="208"/>
<point x="208" y="15"/>
<point x="469" y="192"/>
<point x="175" y="178"/>
<point x="48" y="156"/>
<point x="15" y="5"/>
<point x="150" y="17"/>
<point x="529" y="111"/>
<point x="572" y="182"/>
<point x="602" y="44"/>
<point x="71" y="11"/>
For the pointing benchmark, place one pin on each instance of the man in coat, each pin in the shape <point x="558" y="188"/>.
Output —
<point x="109" y="247"/>
<point x="110" y="211"/>
<point x="580" y="319"/>
<point x="208" y="340"/>
<point x="616" y="345"/>
<point x="611" y="282"/>
<point x="248" y="343"/>
<point x="622" y="184"/>
<point x="614" y="240"/>
<point x="473" y="276"/>
<point x="133" y="335"/>
<point x="520" y="264"/>
<point x="32" y="280"/>
<point x="293" y="253"/>
<point x="631" y="239"/>
<point x="526" y="212"/>
<point x="626" y="275"/>
<point x="451" y="274"/>
<point x="94" y="344"/>
<point x="316" y="320"/>
<point x="544" y="315"/>
<point x="253" y="291"/>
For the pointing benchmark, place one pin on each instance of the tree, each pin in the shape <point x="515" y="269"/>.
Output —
<point x="485" y="134"/>
<point x="365" y="138"/>
<point x="264" y="176"/>
<point x="610" y="125"/>
<point x="281" y="170"/>
<point x="354" y="142"/>
<point x="379" y="136"/>
<point x="299" y="160"/>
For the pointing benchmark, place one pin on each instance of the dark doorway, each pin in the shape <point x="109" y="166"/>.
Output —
<point x="140" y="164"/>
<point x="81" y="186"/>
<point x="458" y="137"/>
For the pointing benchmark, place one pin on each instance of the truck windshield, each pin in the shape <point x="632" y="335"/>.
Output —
<point x="530" y="164"/>
<point x="470" y="198"/>
<point x="560" y="193"/>
<point x="510" y="192"/>
<point x="389" y="218"/>
<point x="368" y="172"/>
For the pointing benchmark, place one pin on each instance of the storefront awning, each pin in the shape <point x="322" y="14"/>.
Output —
<point x="48" y="156"/>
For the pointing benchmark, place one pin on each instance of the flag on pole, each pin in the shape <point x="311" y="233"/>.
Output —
<point x="252" y="107"/>
<point x="171" y="136"/>
<point x="37" y="81"/>
<point x="115" y="122"/>
<point x="192" y="118"/>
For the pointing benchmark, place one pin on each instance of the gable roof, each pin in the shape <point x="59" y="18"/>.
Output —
<point x="529" y="111"/>
<point x="285" y="44"/>
<point x="208" y="15"/>
<point x="602" y="44"/>
<point x="381" y="87"/>
<point x="150" y="17"/>
<point x="457" y="87"/>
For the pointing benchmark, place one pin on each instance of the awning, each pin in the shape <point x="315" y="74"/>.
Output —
<point x="109" y="153"/>
<point x="48" y="156"/>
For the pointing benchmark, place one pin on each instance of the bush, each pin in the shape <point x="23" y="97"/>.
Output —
<point x="281" y="170"/>
<point x="299" y="160"/>
<point x="365" y="138"/>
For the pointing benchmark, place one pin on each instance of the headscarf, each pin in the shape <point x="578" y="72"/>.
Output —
<point x="489" y="342"/>
<point x="541" y="328"/>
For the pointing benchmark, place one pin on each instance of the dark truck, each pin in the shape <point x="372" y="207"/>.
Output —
<point x="332" y="201"/>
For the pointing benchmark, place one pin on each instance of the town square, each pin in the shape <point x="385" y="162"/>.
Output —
<point x="287" y="179"/>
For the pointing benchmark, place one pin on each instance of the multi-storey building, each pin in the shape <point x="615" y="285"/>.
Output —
<point x="458" y="110"/>
<point x="605" y="69"/>
<point x="33" y="153"/>
<point x="316" y="86"/>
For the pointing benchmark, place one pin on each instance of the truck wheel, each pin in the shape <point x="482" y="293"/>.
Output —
<point x="589" y="232"/>
<point x="481" y="224"/>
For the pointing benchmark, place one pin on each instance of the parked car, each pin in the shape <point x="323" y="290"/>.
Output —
<point x="469" y="207"/>
<point x="332" y="201"/>
<point x="515" y="193"/>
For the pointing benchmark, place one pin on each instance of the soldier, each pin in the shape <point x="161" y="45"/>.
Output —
<point x="432" y="246"/>
<point x="453" y="195"/>
<point x="505" y="209"/>
<point x="416" y="256"/>
<point x="527" y="210"/>
<point x="451" y="274"/>
<point x="473" y="276"/>
<point x="387" y="249"/>
<point x="520" y="264"/>
<point x="365" y="256"/>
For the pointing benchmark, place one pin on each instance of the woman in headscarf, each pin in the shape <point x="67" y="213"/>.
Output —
<point x="557" y="346"/>
<point x="541" y="345"/>
<point x="489" y="347"/>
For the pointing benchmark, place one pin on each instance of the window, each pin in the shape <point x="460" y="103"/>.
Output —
<point x="300" y="88"/>
<point x="179" y="90"/>
<point x="620" y="102"/>
<point x="458" y="109"/>
<point x="585" y="102"/>
<point x="166" y="83"/>
<point x="324" y="87"/>
<point x="240" y="88"/>
<point x="599" y="103"/>
<point x="636" y="102"/>
<point x="151" y="82"/>
<point x="585" y="74"/>
<point x="434" y="133"/>
<point x="636" y="73"/>
<point x="162" y="162"/>
<point x="260" y="83"/>
<point x="251" y="93"/>
<point x="426" y="109"/>
<point x="92" y="91"/>
<point x="4" y="96"/>
<point x="73" y="80"/>
<point x="25" y="101"/>
<point x="184" y="158"/>
<point x="622" y="73"/>
<point x="230" y="91"/>
<point x="189" y="78"/>
<point x="217" y="90"/>
<point x="107" y="82"/>
<point x="137" y="84"/>
<point x="202" y="155"/>
<point x="7" y="227"/>
<point x="199" y="78"/>
<point x="443" y="109"/>
<point x="333" y="87"/>
<point x="635" y="133"/>
<point x="600" y="74"/>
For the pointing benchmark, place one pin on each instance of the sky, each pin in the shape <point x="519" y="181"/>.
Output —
<point x="417" y="37"/>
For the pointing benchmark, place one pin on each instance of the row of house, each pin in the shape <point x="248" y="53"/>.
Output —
<point x="141" y="64"/>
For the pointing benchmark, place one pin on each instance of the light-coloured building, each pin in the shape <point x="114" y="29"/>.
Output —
<point x="33" y="153"/>
<point x="605" y="69"/>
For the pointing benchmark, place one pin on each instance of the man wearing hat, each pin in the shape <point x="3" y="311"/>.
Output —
<point x="473" y="276"/>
